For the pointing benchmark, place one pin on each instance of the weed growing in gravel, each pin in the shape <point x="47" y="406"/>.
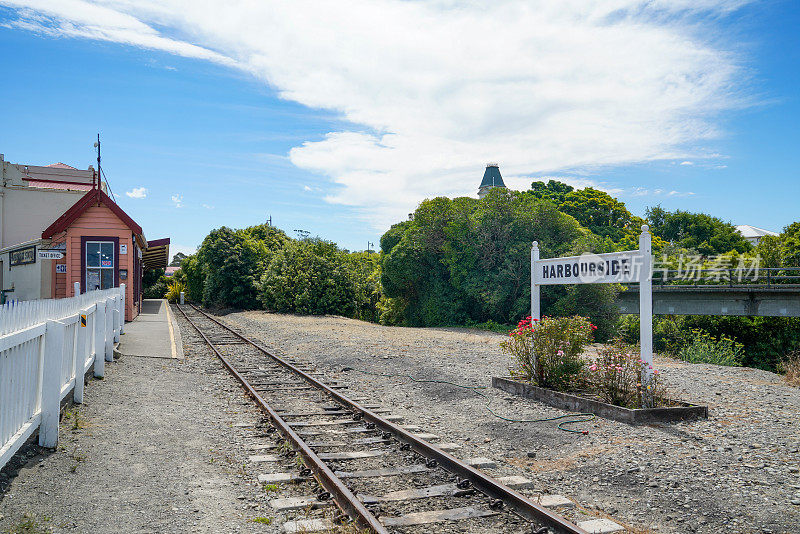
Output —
<point x="269" y="488"/>
<point x="702" y="347"/>
<point x="28" y="525"/>
<point x="262" y="520"/>
<point x="75" y="416"/>
<point x="789" y="367"/>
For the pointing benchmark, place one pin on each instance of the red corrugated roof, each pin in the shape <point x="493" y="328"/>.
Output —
<point x="86" y="201"/>
<point x="54" y="184"/>
<point x="60" y="165"/>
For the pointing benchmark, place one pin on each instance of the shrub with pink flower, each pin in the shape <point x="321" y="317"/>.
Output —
<point x="616" y="377"/>
<point x="548" y="352"/>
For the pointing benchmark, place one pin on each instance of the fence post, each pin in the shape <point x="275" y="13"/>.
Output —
<point x="80" y="359"/>
<point x="100" y="339"/>
<point x="51" y="384"/>
<point x="536" y="311"/>
<point x="109" y="330"/>
<point x="122" y="310"/>
<point x="116" y="324"/>
<point x="646" y="304"/>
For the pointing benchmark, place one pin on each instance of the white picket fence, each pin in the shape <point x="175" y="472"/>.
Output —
<point x="44" y="355"/>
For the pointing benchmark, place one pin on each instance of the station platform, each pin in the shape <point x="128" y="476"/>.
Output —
<point x="154" y="333"/>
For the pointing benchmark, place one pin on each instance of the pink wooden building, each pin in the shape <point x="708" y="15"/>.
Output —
<point x="103" y="247"/>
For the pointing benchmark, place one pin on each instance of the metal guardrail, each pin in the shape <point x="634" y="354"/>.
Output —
<point x="732" y="277"/>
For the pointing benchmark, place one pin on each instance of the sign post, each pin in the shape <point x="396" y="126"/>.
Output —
<point x="631" y="266"/>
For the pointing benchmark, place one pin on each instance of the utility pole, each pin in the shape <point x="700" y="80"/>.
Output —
<point x="97" y="146"/>
<point x="269" y="221"/>
<point x="369" y="244"/>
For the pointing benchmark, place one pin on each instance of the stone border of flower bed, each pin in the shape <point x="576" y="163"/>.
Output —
<point x="566" y="401"/>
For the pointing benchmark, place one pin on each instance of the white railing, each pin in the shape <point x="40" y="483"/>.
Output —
<point x="46" y="348"/>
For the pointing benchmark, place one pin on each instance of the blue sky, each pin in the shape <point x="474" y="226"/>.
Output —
<point x="341" y="126"/>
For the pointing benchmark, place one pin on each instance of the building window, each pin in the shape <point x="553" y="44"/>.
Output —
<point x="99" y="265"/>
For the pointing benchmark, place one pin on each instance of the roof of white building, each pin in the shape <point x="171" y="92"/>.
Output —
<point x="748" y="231"/>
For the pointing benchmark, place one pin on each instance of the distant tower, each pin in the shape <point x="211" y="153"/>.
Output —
<point x="491" y="178"/>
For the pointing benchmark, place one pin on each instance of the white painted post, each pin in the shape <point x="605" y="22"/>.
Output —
<point x="117" y="318"/>
<point x="646" y="303"/>
<point x="100" y="339"/>
<point x="80" y="359"/>
<point x="109" y="327"/>
<point x="181" y="298"/>
<point x="51" y="384"/>
<point x="77" y="289"/>
<point x="535" y="301"/>
<point x="122" y="310"/>
<point x="536" y="311"/>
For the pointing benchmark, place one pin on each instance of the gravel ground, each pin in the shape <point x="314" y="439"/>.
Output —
<point x="155" y="449"/>
<point x="735" y="472"/>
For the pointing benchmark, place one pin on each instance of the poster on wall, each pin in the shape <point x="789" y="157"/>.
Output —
<point x="22" y="256"/>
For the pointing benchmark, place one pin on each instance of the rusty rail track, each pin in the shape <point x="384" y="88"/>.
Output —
<point x="342" y="496"/>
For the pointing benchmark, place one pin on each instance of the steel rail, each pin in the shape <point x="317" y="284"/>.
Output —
<point x="341" y="495"/>
<point x="520" y="504"/>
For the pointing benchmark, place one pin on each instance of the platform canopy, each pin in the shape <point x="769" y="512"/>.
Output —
<point x="156" y="255"/>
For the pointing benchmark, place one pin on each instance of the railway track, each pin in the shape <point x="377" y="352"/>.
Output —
<point x="383" y="476"/>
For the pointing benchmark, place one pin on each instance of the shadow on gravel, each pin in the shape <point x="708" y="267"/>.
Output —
<point x="29" y="455"/>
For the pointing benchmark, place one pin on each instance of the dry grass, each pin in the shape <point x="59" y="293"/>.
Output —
<point x="790" y="368"/>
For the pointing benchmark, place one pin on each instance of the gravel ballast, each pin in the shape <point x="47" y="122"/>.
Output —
<point x="735" y="472"/>
<point x="156" y="449"/>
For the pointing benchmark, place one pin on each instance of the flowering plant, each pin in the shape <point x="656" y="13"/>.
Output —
<point x="616" y="377"/>
<point x="547" y="352"/>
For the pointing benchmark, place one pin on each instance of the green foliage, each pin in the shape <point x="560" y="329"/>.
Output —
<point x="467" y="259"/>
<point x="601" y="213"/>
<point x="553" y="190"/>
<point x="310" y="276"/>
<point x="790" y="245"/>
<point x="194" y="278"/>
<point x="769" y="249"/>
<point x="697" y="231"/>
<point x="595" y="301"/>
<point x="702" y="347"/>
<point x="548" y="352"/>
<point x="233" y="260"/>
<point x="174" y="290"/>
<point x="366" y="275"/>
<point x="177" y="259"/>
<point x="154" y="284"/>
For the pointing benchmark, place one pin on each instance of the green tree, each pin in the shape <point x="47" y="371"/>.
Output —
<point x="553" y="190"/>
<point x="194" y="277"/>
<point x="770" y="250"/>
<point x="309" y="276"/>
<point x="696" y="231"/>
<point x="232" y="261"/>
<point x="177" y="259"/>
<point x="601" y="213"/>
<point x="790" y="245"/>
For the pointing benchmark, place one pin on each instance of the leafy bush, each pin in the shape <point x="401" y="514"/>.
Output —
<point x="616" y="377"/>
<point x="194" y="278"/>
<point x="174" y="290"/>
<point x="311" y="276"/>
<point x="154" y="284"/>
<point x="548" y="352"/>
<point x="232" y="262"/>
<point x="704" y="348"/>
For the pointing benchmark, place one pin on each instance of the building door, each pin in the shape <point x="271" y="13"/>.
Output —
<point x="100" y="267"/>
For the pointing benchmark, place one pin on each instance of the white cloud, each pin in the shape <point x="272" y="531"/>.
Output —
<point x="306" y="188"/>
<point x="137" y="192"/>
<point x="687" y="163"/>
<point x="642" y="192"/>
<point x="178" y="200"/>
<point x="208" y="207"/>
<point x="437" y="88"/>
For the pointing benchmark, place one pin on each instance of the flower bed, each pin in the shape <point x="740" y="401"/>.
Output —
<point x="548" y="366"/>
<point x="582" y="402"/>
